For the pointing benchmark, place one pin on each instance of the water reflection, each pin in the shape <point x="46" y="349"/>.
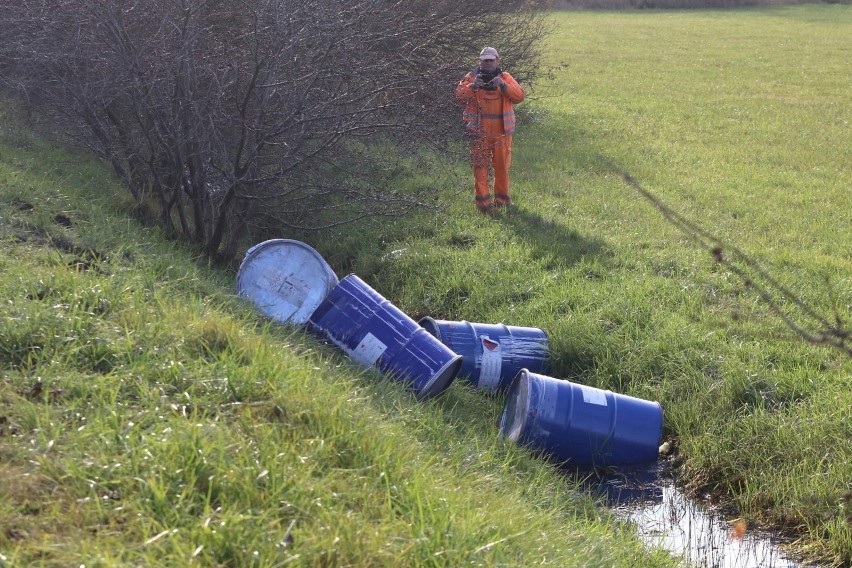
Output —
<point x="664" y="517"/>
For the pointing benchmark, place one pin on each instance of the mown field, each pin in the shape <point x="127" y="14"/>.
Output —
<point x="148" y="417"/>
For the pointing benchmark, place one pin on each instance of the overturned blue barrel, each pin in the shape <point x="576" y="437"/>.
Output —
<point x="581" y="425"/>
<point x="374" y="332"/>
<point x="285" y="279"/>
<point x="492" y="354"/>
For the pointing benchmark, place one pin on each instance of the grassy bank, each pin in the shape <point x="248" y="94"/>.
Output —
<point x="148" y="418"/>
<point x="740" y="121"/>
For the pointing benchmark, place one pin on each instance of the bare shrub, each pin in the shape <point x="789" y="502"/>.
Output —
<point x="220" y="116"/>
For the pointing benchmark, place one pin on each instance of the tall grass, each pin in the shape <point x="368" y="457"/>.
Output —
<point x="148" y="418"/>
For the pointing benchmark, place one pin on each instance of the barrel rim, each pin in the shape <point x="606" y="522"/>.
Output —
<point x="255" y="250"/>
<point x="442" y="379"/>
<point x="430" y="324"/>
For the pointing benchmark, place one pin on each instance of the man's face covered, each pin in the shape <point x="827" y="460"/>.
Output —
<point x="488" y="65"/>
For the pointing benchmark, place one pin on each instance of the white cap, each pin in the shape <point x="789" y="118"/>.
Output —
<point x="489" y="53"/>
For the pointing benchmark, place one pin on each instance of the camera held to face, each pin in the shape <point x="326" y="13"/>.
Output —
<point x="487" y="77"/>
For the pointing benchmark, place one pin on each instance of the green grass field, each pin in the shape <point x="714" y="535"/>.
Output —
<point x="147" y="417"/>
<point x="738" y="120"/>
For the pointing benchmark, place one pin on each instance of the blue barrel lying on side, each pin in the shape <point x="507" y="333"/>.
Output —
<point x="374" y="332"/>
<point x="285" y="279"/>
<point x="581" y="425"/>
<point x="492" y="354"/>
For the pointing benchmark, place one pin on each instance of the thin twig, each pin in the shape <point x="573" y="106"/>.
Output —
<point x="825" y="332"/>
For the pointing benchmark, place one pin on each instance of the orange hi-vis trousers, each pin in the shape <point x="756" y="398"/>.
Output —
<point x="492" y="148"/>
<point x="487" y="152"/>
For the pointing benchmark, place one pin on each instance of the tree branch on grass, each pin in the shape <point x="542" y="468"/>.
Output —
<point x="818" y="329"/>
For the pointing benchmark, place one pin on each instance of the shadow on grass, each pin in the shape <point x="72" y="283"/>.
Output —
<point x="555" y="142"/>
<point x="558" y="246"/>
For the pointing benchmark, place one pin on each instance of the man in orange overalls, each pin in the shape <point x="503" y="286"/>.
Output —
<point x="489" y="95"/>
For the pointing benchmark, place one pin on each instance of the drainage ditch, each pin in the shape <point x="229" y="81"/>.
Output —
<point x="664" y="517"/>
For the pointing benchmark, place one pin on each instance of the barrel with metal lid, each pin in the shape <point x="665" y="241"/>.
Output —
<point x="285" y="279"/>
<point x="374" y="332"/>
<point x="579" y="424"/>
<point x="492" y="354"/>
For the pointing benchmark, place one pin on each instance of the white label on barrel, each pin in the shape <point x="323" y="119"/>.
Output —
<point x="593" y="396"/>
<point x="368" y="351"/>
<point x="492" y="360"/>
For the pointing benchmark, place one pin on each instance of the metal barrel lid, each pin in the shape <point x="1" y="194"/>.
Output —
<point x="285" y="279"/>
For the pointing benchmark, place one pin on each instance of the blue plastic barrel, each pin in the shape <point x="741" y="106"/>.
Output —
<point x="374" y="332"/>
<point x="581" y="425"/>
<point x="285" y="279"/>
<point x="492" y="354"/>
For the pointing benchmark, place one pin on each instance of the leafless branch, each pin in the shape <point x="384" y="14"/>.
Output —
<point x="208" y="108"/>
<point x="819" y="330"/>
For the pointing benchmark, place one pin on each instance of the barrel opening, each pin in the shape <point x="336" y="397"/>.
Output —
<point x="431" y="326"/>
<point x="515" y="411"/>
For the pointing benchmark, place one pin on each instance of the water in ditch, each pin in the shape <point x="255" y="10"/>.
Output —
<point x="664" y="517"/>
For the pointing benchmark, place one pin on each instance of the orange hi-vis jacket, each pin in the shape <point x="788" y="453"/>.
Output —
<point x="489" y="123"/>
<point x="490" y="116"/>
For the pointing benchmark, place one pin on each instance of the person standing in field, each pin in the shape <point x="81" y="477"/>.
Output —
<point x="489" y="95"/>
